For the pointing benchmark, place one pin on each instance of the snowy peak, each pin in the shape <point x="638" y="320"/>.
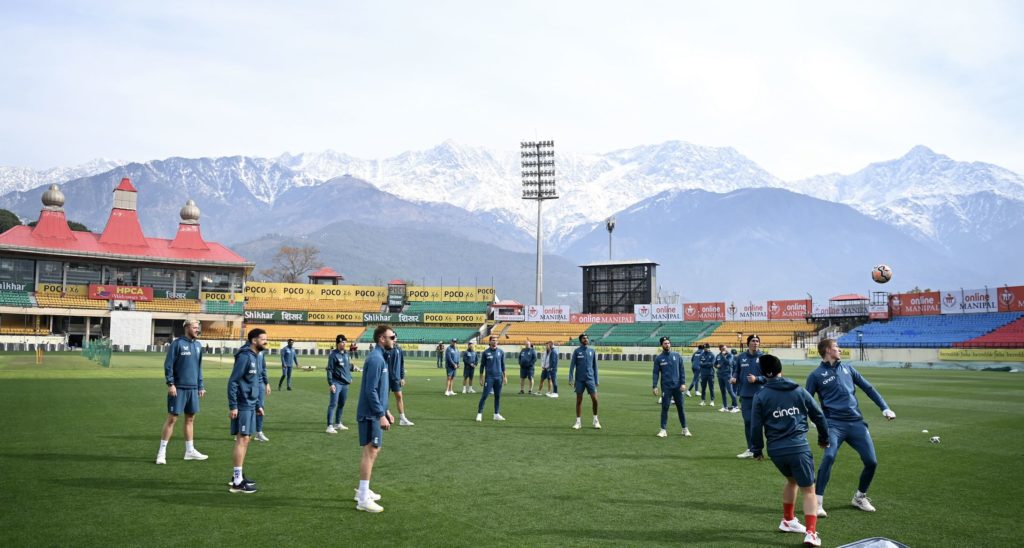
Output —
<point x="16" y="179"/>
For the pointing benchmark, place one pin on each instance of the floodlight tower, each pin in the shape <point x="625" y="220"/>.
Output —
<point x="610" y="225"/>
<point x="538" y="162"/>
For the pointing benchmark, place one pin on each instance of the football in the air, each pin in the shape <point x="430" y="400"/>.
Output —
<point x="881" y="273"/>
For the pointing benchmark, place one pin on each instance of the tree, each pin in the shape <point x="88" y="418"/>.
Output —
<point x="8" y="220"/>
<point x="75" y="226"/>
<point x="290" y="263"/>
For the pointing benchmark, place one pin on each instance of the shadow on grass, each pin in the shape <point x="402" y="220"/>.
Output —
<point x="682" y="534"/>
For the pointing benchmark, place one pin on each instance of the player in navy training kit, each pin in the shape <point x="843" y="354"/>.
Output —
<point x="396" y="376"/>
<point x="835" y="384"/>
<point x="781" y="410"/>
<point x="549" y="369"/>
<point x="289" y="359"/>
<point x="373" y="414"/>
<point x="183" y="373"/>
<point x="527" y="361"/>
<point x="243" y="402"/>
<point x="707" y="375"/>
<point x="492" y="377"/>
<point x="746" y="375"/>
<point x="468" y="369"/>
<point x="669" y="368"/>
<point x="339" y="377"/>
<point x="583" y="369"/>
<point x="264" y="392"/>
<point x="451" y="366"/>
<point x="723" y="368"/>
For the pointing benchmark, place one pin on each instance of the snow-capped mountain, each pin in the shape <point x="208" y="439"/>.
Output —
<point x="22" y="178"/>
<point x="591" y="186"/>
<point x="935" y="199"/>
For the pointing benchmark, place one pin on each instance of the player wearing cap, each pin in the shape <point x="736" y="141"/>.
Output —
<point x="289" y="359"/>
<point x="451" y="365"/>
<point x="492" y="377"/>
<point x="339" y="377"/>
<point x="781" y="411"/>
<point x="584" y="363"/>
<point x="746" y="375"/>
<point x="396" y="380"/>
<point x="527" y="361"/>
<point x="836" y="384"/>
<point x="668" y="367"/>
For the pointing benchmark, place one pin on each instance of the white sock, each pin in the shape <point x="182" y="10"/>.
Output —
<point x="163" y="446"/>
<point x="578" y="420"/>
<point x="236" y="476"/>
<point x="364" y="489"/>
<point x="595" y="418"/>
<point x="402" y="416"/>
<point x="821" y="499"/>
<point x="859" y="494"/>
<point x="189" y="447"/>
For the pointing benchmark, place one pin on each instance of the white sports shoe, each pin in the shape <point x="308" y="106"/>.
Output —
<point x="576" y="425"/>
<point x="553" y="395"/>
<point x="196" y="455"/>
<point x="712" y="404"/>
<point x="498" y="417"/>
<point x="331" y="429"/>
<point x="696" y="393"/>
<point x="686" y="433"/>
<point x="821" y="512"/>
<point x="447" y="393"/>
<point x="471" y="390"/>
<point x="597" y="424"/>
<point x="479" y="417"/>
<point x="792" y="526"/>
<point x="161" y="458"/>
<point x="339" y="427"/>
<point x="862" y="502"/>
<point x="370" y="494"/>
<point x="405" y="422"/>
<point x="261" y="437"/>
<point x="662" y="433"/>
<point x="745" y="455"/>
<point x="735" y="410"/>
<point x="811" y="538"/>
<point x="687" y="393"/>
<point x="369" y="506"/>
<point x="463" y="389"/>
<point x="724" y="410"/>
<point x="703" y="403"/>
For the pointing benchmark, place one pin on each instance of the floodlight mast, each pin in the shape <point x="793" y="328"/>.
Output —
<point x="538" y="173"/>
<point x="610" y="225"/>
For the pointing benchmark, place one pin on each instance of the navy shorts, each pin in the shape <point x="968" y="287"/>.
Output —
<point x="186" y="401"/>
<point x="467" y="372"/>
<point x="799" y="466"/>
<point x="245" y="423"/>
<point x="370" y="433"/>
<point x="395" y="384"/>
<point x="526" y="372"/>
<point x="450" y="371"/>
<point x="590" y="387"/>
<point x="545" y="374"/>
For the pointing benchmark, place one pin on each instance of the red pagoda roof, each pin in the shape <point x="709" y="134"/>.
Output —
<point x="849" y="297"/>
<point x="126" y="184"/>
<point x="325" y="272"/>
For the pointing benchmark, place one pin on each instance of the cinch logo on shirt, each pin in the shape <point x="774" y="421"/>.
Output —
<point x="828" y="380"/>
<point x="185" y="352"/>
<point x="385" y="370"/>
<point x="779" y="413"/>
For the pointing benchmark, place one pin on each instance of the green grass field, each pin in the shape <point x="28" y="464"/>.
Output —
<point x="77" y="444"/>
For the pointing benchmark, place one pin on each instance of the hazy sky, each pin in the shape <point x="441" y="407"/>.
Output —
<point x="802" y="88"/>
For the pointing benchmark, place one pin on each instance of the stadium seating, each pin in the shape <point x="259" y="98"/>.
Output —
<point x="629" y="334"/>
<point x="307" y="333"/>
<point x="16" y="298"/>
<point x="187" y="306"/>
<point x="773" y="334"/>
<point x="55" y="300"/>
<point x="940" y="331"/>
<point x="432" y="307"/>
<point x="425" y="335"/>
<point x="1010" y="335"/>
<point x="681" y="333"/>
<point x="539" y="332"/>
<point x="220" y="307"/>
<point x="21" y="330"/>
<point x="325" y="305"/>
<point x="220" y="332"/>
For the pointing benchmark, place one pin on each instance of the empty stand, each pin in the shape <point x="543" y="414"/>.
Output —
<point x="55" y="300"/>
<point x="16" y="298"/>
<point x="186" y="306"/>
<point x="1010" y="335"/>
<point x="307" y="333"/>
<point x="777" y="334"/>
<point x="540" y="332"/>
<point x="220" y="307"/>
<point x="325" y="305"/>
<point x="425" y="335"/>
<point x="927" y="331"/>
<point x="433" y="307"/>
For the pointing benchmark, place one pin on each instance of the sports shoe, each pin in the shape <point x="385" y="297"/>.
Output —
<point x="696" y="393"/>
<point x="745" y="455"/>
<point x="521" y="392"/>
<point x="712" y="404"/>
<point x="447" y="393"/>
<point x="723" y="410"/>
<point x="261" y="437"/>
<point x="161" y="458"/>
<point x="242" y="487"/>
<point x="471" y="390"/>
<point x="597" y="424"/>
<point x="862" y="502"/>
<point x="703" y="403"/>
<point x="405" y="422"/>
<point x="659" y="401"/>
<point x="811" y="538"/>
<point x="331" y="429"/>
<point x="821" y="512"/>
<point x="687" y="393"/>
<point x="792" y="526"/>
<point x="553" y="395"/>
<point x="576" y="425"/>
<point x="370" y="494"/>
<point x="244" y="480"/>
<point x="479" y="417"/>
<point x="735" y="410"/>
<point x="686" y="433"/>
<point x="195" y="455"/>
<point x="369" y="506"/>
<point x="339" y="427"/>
<point x="662" y="433"/>
<point x="498" y="417"/>
<point x="463" y="389"/>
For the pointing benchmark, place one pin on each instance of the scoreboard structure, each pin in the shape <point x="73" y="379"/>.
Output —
<point x="611" y="287"/>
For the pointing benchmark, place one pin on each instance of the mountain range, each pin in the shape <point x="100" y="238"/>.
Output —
<point x="937" y="220"/>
